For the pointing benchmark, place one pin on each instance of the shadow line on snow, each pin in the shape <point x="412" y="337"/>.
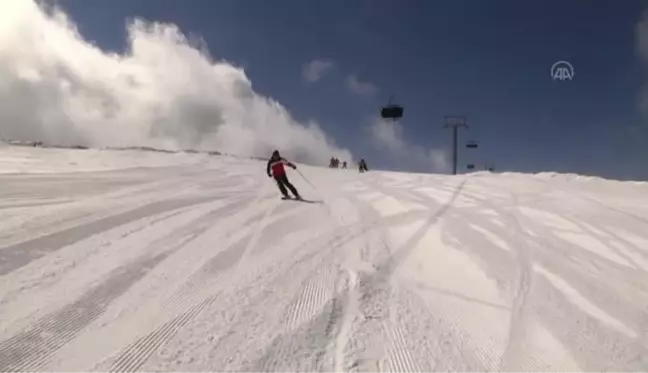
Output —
<point x="550" y="305"/>
<point x="460" y="296"/>
<point x="388" y="267"/>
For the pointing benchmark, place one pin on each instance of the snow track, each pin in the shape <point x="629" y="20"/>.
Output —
<point x="202" y="267"/>
<point x="30" y="349"/>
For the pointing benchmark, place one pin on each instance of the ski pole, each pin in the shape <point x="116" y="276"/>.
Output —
<point x="304" y="177"/>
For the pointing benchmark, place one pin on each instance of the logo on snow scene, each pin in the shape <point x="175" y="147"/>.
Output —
<point x="562" y="70"/>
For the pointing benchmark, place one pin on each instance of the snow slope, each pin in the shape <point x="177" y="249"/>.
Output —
<point x="135" y="261"/>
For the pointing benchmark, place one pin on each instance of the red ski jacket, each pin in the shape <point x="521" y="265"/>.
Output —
<point x="277" y="166"/>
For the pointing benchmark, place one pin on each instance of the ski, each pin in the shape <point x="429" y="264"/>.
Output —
<point x="300" y="200"/>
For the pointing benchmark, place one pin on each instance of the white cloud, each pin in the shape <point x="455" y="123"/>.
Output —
<point x="360" y="88"/>
<point x="642" y="36"/>
<point x="439" y="159"/>
<point x="314" y="70"/>
<point x="164" y="92"/>
<point x="389" y="136"/>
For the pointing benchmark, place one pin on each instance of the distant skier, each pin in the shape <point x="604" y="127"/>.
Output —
<point x="276" y="165"/>
<point x="362" y="166"/>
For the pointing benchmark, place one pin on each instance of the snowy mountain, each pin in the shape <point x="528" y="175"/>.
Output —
<point x="130" y="260"/>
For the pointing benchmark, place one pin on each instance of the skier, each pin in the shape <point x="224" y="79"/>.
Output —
<point x="362" y="165"/>
<point x="276" y="164"/>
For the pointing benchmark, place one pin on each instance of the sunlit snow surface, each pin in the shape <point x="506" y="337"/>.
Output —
<point x="145" y="261"/>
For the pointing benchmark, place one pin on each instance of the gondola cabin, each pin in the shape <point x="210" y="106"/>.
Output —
<point x="472" y="145"/>
<point x="392" y="112"/>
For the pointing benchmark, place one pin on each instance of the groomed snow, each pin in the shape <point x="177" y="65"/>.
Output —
<point x="143" y="261"/>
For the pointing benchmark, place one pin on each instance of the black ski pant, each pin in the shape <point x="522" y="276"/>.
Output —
<point x="283" y="183"/>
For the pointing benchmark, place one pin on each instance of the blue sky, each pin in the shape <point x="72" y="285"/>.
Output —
<point x="488" y="60"/>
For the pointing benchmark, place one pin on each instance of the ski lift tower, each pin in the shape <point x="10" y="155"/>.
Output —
<point x="454" y="121"/>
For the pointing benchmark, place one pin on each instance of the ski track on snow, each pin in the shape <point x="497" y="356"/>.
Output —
<point x="237" y="253"/>
<point x="241" y="280"/>
<point x="185" y="298"/>
<point x="190" y="297"/>
<point x="55" y="330"/>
